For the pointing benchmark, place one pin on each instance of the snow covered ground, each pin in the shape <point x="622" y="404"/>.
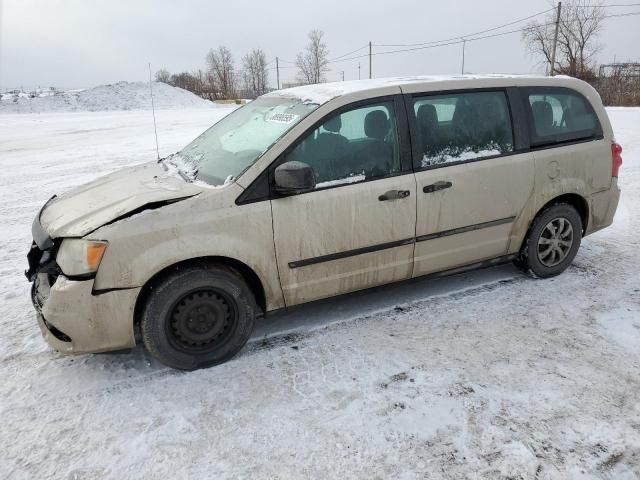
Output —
<point x="487" y="375"/>
<point x="115" y="96"/>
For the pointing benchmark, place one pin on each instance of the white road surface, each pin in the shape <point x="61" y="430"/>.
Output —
<point x="487" y="375"/>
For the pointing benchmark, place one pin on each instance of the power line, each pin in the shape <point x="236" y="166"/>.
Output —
<point x="456" y="40"/>
<point x="443" y="44"/>
<point x="461" y="39"/>
<point x="350" y="53"/>
<point x="612" y="5"/>
<point x="335" y="59"/>
<point x="350" y="58"/>
<point x="467" y="35"/>
<point x="281" y="68"/>
<point x="626" y="14"/>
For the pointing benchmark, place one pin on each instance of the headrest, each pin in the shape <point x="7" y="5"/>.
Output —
<point x="333" y="124"/>
<point x="577" y="116"/>
<point x="463" y="117"/>
<point x="491" y="112"/>
<point x="376" y="124"/>
<point x="542" y="114"/>
<point x="427" y="115"/>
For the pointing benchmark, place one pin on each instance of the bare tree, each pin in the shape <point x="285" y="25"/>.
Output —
<point x="580" y="23"/>
<point x="211" y="90"/>
<point x="163" y="75"/>
<point x="184" y="80"/>
<point x="200" y="80"/>
<point x="221" y="72"/>
<point x="196" y="81"/>
<point x="312" y="63"/>
<point x="254" y="72"/>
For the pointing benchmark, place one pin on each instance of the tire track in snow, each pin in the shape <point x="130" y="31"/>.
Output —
<point x="288" y="337"/>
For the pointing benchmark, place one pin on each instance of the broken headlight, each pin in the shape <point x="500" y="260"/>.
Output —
<point x="78" y="257"/>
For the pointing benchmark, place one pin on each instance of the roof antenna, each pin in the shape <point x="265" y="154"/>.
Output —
<point x="153" y="109"/>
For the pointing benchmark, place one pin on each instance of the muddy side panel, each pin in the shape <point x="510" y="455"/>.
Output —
<point x="205" y="226"/>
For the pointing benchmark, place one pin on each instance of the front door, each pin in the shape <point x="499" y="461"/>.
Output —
<point x="472" y="184"/>
<point x="356" y="229"/>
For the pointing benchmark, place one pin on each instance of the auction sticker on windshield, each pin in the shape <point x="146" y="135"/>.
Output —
<point x="283" y="118"/>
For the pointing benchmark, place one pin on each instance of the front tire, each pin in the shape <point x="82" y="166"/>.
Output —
<point x="198" y="317"/>
<point x="553" y="241"/>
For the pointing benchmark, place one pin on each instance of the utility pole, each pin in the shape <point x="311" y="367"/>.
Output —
<point x="464" y="43"/>
<point x="277" y="74"/>
<point x="358" y="70"/>
<point x="555" y="41"/>
<point x="342" y="72"/>
<point x="369" y="59"/>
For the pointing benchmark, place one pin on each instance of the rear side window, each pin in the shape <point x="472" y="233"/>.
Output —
<point x="460" y="127"/>
<point x="560" y="115"/>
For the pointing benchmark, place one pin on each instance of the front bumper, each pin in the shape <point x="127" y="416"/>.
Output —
<point x="75" y="320"/>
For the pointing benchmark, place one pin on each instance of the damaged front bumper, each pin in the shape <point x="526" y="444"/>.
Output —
<point x="74" y="319"/>
<point x="72" y="316"/>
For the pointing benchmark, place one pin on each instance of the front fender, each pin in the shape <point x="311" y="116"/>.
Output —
<point x="141" y="247"/>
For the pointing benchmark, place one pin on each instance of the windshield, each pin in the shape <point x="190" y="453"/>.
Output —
<point x="232" y="145"/>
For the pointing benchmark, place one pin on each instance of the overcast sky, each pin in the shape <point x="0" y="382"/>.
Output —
<point x="82" y="43"/>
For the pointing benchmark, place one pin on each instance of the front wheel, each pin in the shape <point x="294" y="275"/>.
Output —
<point x="553" y="241"/>
<point x="198" y="317"/>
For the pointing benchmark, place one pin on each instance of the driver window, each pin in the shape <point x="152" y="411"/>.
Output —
<point x="353" y="146"/>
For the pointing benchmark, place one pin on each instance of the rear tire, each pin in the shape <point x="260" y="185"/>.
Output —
<point x="553" y="241"/>
<point x="198" y="317"/>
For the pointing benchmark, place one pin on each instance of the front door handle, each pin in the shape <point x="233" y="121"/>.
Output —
<point x="434" y="187"/>
<point x="394" y="195"/>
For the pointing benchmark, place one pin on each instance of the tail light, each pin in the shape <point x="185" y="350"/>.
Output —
<point x="616" y="159"/>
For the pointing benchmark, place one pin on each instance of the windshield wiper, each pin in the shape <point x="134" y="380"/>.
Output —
<point x="165" y="162"/>
<point x="184" y="176"/>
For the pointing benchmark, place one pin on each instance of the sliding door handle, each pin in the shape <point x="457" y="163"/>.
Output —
<point x="394" y="195"/>
<point x="434" y="187"/>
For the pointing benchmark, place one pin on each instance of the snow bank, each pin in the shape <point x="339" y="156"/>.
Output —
<point x="116" y="96"/>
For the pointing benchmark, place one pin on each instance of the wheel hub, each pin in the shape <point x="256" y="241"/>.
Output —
<point x="200" y="319"/>
<point x="555" y="242"/>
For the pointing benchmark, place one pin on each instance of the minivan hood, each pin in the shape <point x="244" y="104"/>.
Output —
<point x="86" y="208"/>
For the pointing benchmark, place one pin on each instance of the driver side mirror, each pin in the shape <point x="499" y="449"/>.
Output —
<point x="294" y="177"/>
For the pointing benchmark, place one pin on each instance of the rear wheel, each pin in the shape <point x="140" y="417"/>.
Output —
<point x="553" y="241"/>
<point x="198" y="317"/>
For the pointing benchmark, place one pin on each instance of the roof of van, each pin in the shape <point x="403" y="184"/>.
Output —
<point x="323" y="92"/>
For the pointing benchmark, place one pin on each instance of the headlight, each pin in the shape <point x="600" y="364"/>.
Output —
<point x="80" y="257"/>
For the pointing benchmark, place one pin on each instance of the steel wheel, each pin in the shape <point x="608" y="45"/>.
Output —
<point x="555" y="241"/>
<point x="201" y="320"/>
<point x="198" y="316"/>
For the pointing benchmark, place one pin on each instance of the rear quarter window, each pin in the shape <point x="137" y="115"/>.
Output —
<point x="560" y="115"/>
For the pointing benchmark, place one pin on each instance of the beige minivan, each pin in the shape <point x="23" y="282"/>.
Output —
<point x="316" y="191"/>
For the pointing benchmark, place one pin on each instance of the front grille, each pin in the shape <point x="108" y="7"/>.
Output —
<point x="42" y="255"/>
<point x="42" y="261"/>
<point x="33" y="258"/>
